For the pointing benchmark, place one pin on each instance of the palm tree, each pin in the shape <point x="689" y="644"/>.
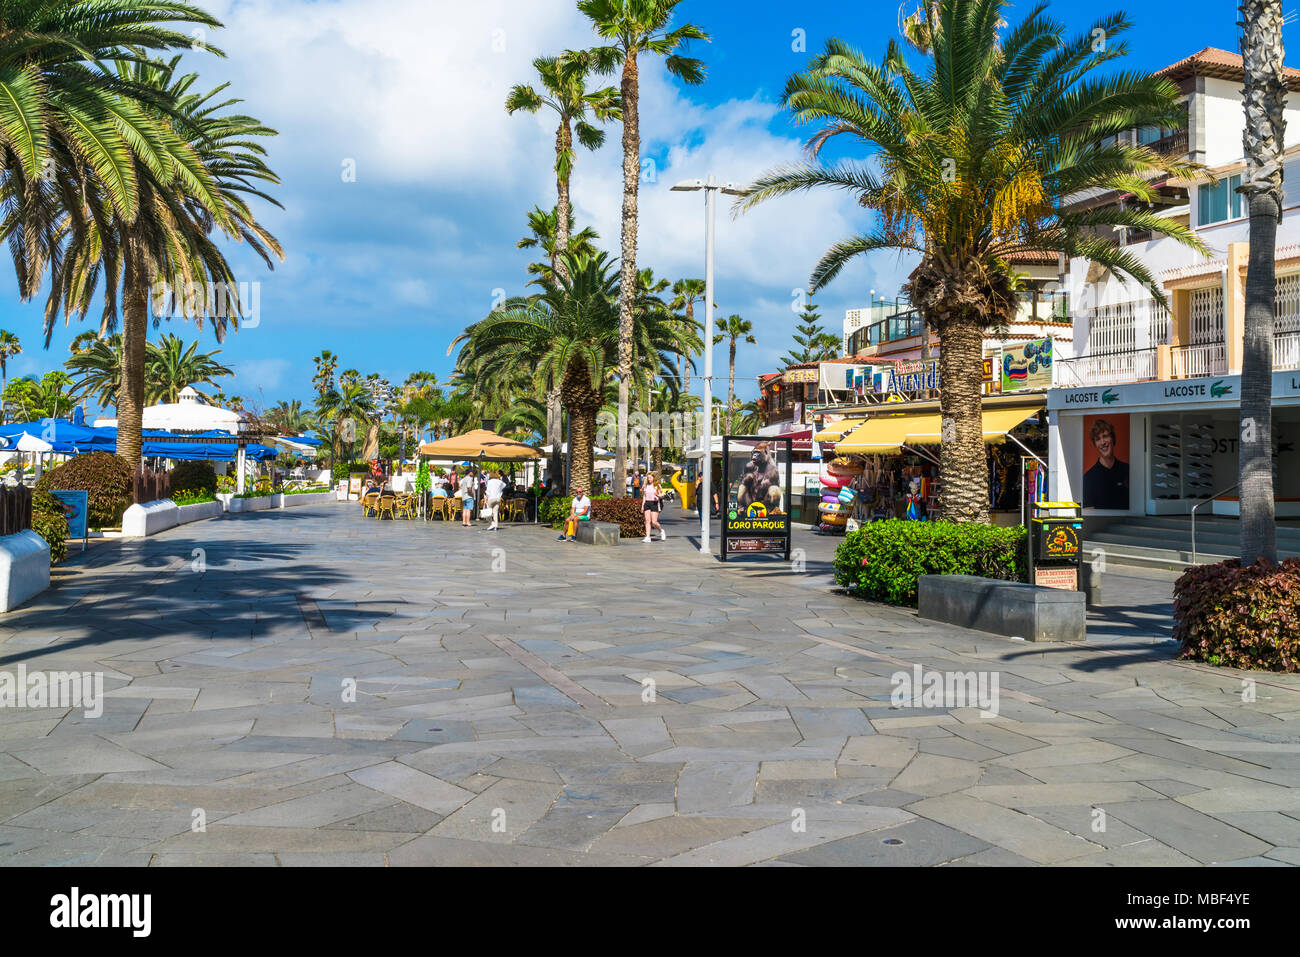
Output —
<point x="1265" y="135"/>
<point x="686" y="293"/>
<point x="196" y="180"/>
<point x="734" y="329"/>
<point x="327" y="364"/>
<point x="635" y="27"/>
<point x="564" y="90"/>
<point x="351" y="403"/>
<point x="569" y="334"/>
<point x="44" y="398"/>
<point x="542" y="226"/>
<point x="291" y="417"/>
<point x="10" y="346"/>
<point x="96" y="368"/>
<point x="972" y="161"/>
<point x="171" y="366"/>
<point x="65" y="114"/>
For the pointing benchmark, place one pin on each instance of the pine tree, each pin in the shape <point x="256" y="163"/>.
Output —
<point x="814" y="342"/>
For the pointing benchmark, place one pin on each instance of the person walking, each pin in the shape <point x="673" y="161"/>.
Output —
<point x="495" y="490"/>
<point x="652" y="497"/>
<point x="466" y="499"/>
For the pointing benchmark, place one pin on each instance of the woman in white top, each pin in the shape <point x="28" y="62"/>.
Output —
<point x="652" y="498"/>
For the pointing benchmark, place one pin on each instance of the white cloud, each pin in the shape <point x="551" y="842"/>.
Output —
<point x="414" y="93"/>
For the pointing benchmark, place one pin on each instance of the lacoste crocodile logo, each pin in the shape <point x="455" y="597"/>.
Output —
<point x="1109" y="396"/>
<point x="1218" y="390"/>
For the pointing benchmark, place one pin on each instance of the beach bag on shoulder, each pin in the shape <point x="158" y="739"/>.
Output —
<point x="846" y="496"/>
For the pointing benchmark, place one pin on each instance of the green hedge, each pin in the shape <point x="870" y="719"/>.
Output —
<point x="554" y="510"/>
<point x="105" y="476"/>
<point x="191" y="478"/>
<point x="883" y="561"/>
<point x="1240" y="617"/>
<point x="50" y="522"/>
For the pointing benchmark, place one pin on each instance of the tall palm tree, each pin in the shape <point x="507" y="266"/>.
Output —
<point x="10" y="346"/>
<point x="351" y="403"/>
<point x="971" y="161"/>
<point x="564" y="90"/>
<point x="208" y="161"/>
<point x="734" y="330"/>
<point x="686" y="293"/>
<point x="635" y="27"/>
<point x="96" y="368"/>
<point x="291" y="417"/>
<point x="1264" y="139"/>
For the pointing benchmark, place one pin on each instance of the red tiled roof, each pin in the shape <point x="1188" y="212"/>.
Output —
<point x="1218" y="63"/>
<point x="1033" y="256"/>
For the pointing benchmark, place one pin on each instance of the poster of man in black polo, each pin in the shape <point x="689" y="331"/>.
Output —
<point x="1106" y="475"/>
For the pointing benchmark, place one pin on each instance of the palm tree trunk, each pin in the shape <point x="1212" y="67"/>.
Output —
<point x="690" y="318"/>
<point x="627" y="271"/>
<point x="962" y="466"/>
<point x="555" y="430"/>
<point x="1264" y="136"/>
<point x="582" y="437"/>
<point x="563" y="141"/>
<point x="731" y="383"/>
<point x="135" y="331"/>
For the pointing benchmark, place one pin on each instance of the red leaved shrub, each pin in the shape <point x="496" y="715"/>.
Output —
<point x="625" y="512"/>
<point x="1240" y="617"/>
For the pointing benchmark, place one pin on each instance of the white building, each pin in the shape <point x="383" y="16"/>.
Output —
<point x="1166" y="381"/>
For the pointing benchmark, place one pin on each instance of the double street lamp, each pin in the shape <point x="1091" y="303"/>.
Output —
<point x="711" y="188"/>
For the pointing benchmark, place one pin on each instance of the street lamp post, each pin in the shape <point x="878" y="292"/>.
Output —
<point x="711" y="188"/>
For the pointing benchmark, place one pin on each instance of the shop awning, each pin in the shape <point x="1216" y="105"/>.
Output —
<point x="837" y="431"/>
<point x="888" y="434"/>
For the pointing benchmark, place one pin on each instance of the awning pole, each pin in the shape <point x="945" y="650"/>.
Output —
<point x="924" y="455"/>
<point x="1022" y="445"/>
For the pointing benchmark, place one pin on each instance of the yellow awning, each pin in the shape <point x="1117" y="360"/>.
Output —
<point x="480" y="442"/>
<point x="833" y="433"/>
<point x="888" y="434"/>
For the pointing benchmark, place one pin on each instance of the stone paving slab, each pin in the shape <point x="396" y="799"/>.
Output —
<point x="355" y="702"/>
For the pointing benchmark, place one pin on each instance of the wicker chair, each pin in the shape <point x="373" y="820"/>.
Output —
<point x="387" y="503"/>
<point x="370" y="503"/>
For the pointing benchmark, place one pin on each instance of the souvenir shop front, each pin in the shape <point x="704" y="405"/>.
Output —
<point x="883" y="462"/>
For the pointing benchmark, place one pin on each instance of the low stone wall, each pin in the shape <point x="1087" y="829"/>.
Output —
<point x="24" y="568"/>
<point x="598" y="533"/>
<point x="150" y="518"/>
<point x="1004" y="608"/>
<point x="307" y="498"/>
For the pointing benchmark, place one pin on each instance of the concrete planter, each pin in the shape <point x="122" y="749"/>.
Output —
<point x="24" y="568"/>
<point x="307" y="498"/>
<point x="235" y="505"/>
<point x="198" y="512"/>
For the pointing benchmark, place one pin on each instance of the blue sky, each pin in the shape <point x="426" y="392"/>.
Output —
<point x="387" y="270"/>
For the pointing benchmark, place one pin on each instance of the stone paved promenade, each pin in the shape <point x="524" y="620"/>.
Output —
<point x="498" y="715"/>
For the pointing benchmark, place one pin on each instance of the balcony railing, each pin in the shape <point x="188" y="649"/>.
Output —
<point x="1106" y="368"/>
<point x="1193" y="362"/>
<point x="1286" y="351"/>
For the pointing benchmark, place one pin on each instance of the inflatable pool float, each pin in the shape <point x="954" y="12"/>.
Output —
<point x="839" y="473"/>
<point x="836" y="521"/>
